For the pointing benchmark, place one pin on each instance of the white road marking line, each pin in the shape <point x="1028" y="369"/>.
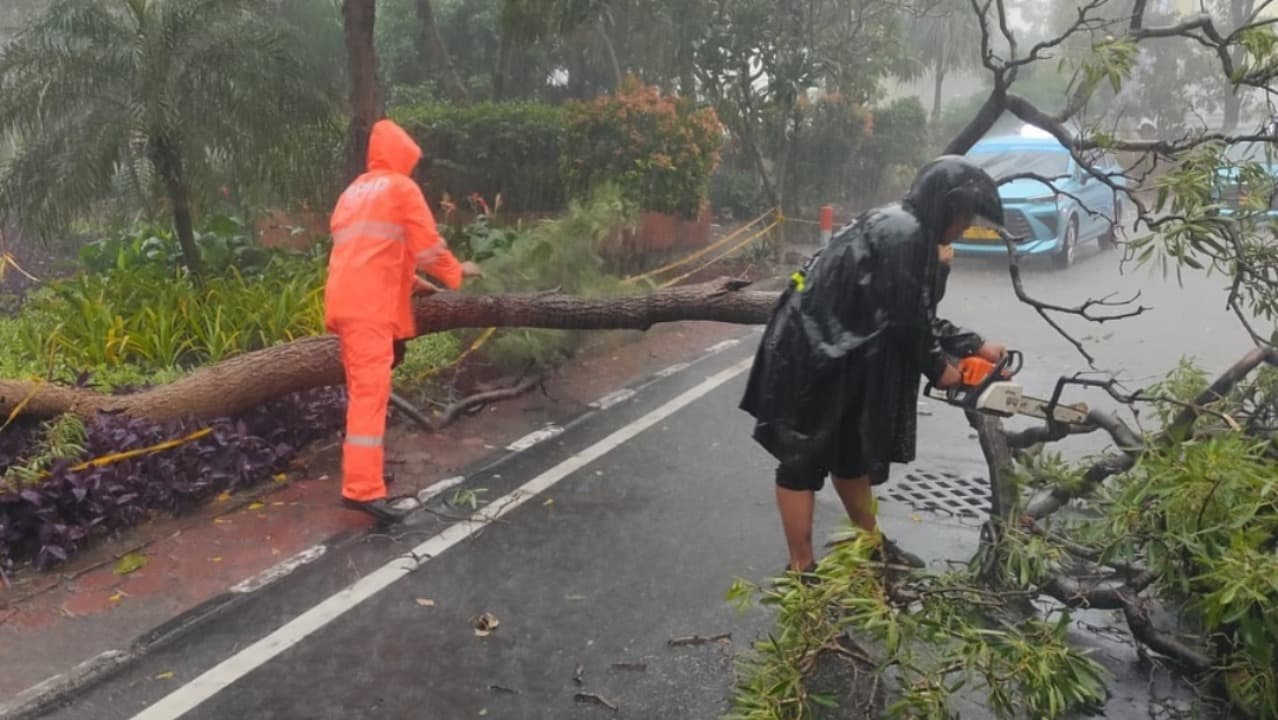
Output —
<point x="271" y="574"/>
<point x="534" y="438"/>
<point x="720" y="347"/>
<point x="429" y="493"/>
<point x="613" y="399"/>
<point x="672" y="370"/>
<point x="220" y="676"/>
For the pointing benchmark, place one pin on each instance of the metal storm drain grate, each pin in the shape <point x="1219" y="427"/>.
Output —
<point x="943" y="493"/>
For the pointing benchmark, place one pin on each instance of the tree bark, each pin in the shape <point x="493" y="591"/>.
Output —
<point x="168" y="166"/>
<point x="245" y="381"/>
<point x="360" y="19"/>
<point x="994" y="107"/>
<point x="937" y="86"/>
<point x="745" y="111"/>
<point x="499" y="72"/>
<point x="433" y="53"/>
<point x="617" y="76"/>
<point x="1239" y="11"/>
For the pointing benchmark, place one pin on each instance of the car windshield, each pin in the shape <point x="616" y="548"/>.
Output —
<point x="1251" y="152"/>
<point x="1002" y="163"/>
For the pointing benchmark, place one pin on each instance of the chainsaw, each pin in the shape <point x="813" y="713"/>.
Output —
<point x="987" y="387"/>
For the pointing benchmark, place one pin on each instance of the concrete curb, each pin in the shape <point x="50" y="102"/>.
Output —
<point x="63" y="688"/>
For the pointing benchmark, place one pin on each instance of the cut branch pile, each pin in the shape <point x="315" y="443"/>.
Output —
<point x="1121" y="586"/>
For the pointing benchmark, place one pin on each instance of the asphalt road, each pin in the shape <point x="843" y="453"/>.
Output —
<point x="603" y="543"/>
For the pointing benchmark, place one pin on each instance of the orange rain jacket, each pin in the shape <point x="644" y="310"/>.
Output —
<point x="383" y="231"/>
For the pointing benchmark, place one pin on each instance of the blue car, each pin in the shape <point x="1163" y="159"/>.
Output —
<point x="1054" y="222"/>
<point x="1229" y="186"/>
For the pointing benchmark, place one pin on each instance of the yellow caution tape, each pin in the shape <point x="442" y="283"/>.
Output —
<point x="119" y="457"/>
<point x="731" y="251"/>
<point x="17" y="409"/>
<point x="477" y="344"/>
<point x="700" y="253"/>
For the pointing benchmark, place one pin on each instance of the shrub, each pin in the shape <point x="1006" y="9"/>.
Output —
<point x="737" y="192"/>
<point x="148" y="324"/>
<point x="225" y="243"/>
<point x="560" y="254"/>
<point x="659" y="149"/>
<point x="48" y="520"/>
<point x="484" y="237"/>
<point x="828" y="164"/>
<point x="506" y="149"/>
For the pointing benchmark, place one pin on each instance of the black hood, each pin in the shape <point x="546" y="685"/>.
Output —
<point x="950" y="187"/>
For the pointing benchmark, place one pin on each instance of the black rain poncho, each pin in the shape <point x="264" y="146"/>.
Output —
<point x="835" y="381"/>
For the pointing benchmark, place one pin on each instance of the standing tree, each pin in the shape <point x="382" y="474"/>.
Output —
<point x="760" y="62"/>
<point x="96" y="92"/>
<point x="944" y="39"/>
<point x="433" y="53"/>
<point x="360" y="20"/>
<point x="1240" y="12"/>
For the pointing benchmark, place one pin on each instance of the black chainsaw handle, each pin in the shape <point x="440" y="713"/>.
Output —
<point x="965" y="396"/>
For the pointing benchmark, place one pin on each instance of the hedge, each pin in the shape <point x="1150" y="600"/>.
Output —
<point x="511" y="149"/>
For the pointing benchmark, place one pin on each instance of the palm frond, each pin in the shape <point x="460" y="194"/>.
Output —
<point x="93" y="85"/>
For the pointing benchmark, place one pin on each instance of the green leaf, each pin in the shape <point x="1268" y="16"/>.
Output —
<point x="827" y="701"/>
<point x="130" y="563"/>
<point x="223" y="225"/>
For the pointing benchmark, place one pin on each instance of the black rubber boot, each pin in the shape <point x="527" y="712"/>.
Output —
<point x="380" y="509"/>
<point x="891" y="554"/>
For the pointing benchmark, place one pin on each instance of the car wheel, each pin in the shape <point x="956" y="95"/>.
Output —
<point x="1109" y="240"/>
<point x="1069" y="246"/>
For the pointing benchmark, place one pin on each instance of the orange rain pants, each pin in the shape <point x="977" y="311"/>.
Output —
<point x="383" y="232"/>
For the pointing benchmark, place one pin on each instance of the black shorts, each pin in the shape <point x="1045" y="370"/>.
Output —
<point x="813" y="478"/>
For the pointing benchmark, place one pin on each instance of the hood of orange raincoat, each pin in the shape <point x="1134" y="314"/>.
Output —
<point x="390" y="148"/>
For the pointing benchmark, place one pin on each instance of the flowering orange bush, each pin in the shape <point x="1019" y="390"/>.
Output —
<point x="660" y="149"/>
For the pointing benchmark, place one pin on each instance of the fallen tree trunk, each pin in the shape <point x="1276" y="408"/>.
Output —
<point x="243" y="382"/>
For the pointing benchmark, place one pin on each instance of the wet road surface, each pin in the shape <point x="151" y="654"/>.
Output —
<point x="604" y="542"/>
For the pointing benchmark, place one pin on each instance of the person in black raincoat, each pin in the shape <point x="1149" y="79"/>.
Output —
<point x="835" y="382"/>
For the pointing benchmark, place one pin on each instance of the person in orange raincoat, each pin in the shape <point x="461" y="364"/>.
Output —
<point x="383" y="233"/>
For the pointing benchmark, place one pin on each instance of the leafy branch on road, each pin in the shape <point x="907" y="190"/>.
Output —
<point x="1179" y="525"/>
<point x="1186" y="516"/>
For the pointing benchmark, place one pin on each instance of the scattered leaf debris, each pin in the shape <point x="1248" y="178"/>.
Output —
<point x="425" y="602"/>
<point x="485" y="624"/>
<point x="165" y="675"/>
<point x="130" y="563"/>
<point x="585" y="697"/>
<point x="636" y="666"/>
<point x="699" y="640"/>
